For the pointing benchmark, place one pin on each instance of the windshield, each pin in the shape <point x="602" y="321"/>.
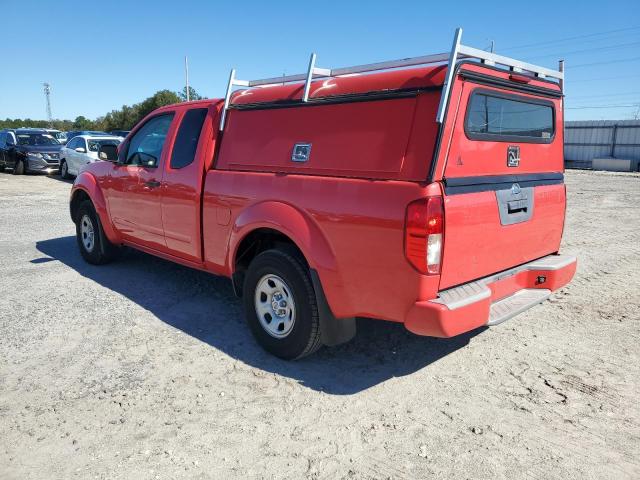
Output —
<point x="60" y="136"/>
<point x="94" y="145"/>
<point x="36" y="139"/>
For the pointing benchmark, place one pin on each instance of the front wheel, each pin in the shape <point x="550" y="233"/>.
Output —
<point x="280" y="305"/>
<point x="64" y="170"/>
<point x="18" y="168"/>
<point x="94" y="246"/>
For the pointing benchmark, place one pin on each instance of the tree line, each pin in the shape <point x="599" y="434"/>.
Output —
<point x="120" y="119"/>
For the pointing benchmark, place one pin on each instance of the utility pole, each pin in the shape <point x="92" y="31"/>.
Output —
<point x="47" y="94"/>
<point x="186" y="76"/>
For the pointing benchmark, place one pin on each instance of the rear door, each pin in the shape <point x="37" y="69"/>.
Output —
<point x="75" y="157"/>
<point x="10" y="150"/>
<point x="503" y="182"/>
<point x="3" y="136"/>
<point x="182" y="184"/>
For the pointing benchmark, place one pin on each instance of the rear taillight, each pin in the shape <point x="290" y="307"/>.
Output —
<point x="424" y="234"/>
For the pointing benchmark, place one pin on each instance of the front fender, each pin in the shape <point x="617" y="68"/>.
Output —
<point x="87" y="183"/>
<point x="302" y="229"/>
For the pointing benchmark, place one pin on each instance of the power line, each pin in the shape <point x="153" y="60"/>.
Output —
<point x="577" y="37"/>
<point x="604" y="63"/>
<point x="586" y="50"/>
<point x="605" y="95"/>
<point x="621" y="77"/>
<point x="583" y="107"/>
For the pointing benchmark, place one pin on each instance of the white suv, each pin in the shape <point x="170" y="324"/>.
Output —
<point x="82" y="150"/>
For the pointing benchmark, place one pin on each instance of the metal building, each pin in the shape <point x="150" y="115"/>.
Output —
<point x="613" y="144"/>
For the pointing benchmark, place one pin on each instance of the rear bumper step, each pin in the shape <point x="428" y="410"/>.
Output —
<point x="491" y="300"/>
<point x="520" y="301"/>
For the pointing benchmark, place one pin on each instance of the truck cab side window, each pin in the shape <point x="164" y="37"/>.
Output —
<point x="146" y="146"/>
<point x="184" y="148"/>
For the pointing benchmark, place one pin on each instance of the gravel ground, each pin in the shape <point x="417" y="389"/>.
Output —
<point x="144" y="369"/>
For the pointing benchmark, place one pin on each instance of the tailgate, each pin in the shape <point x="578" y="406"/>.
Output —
<point x="503" y="183"/>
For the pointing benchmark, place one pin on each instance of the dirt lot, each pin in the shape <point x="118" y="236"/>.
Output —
<point x="144" y="369"/>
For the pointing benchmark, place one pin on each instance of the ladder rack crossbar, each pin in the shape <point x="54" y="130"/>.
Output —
<point x="469" y="52"/>
<point x="458" y="52"/>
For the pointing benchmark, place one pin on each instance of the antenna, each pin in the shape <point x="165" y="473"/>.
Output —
<point x="47" y="94"/>
<point x="186" y="77"/>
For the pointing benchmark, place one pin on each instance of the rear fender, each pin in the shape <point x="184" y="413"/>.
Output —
<point x="302" y="229"/>
<point x="87" y="183"/>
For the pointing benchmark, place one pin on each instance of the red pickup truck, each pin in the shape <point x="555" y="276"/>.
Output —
<point x="427" y="191"/>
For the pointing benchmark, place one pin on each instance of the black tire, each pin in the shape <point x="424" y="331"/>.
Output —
<point x="18" y="168"/>
<point x="304" y="337"/>
<point x="100" y="250"/>
<point x="2" y="167"/>
<point x="64" y="170"/>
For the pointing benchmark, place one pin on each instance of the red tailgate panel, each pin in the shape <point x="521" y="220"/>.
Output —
<point x="477" y="244"/>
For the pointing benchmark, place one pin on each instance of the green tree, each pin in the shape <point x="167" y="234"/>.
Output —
<point x="82" y="123"/>
<point x="193" y="95"/>
<point x="122" y="119"/>
<point x="157" y="100"/>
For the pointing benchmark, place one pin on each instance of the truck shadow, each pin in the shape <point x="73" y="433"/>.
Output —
<point x="58" y="178"/>
<point x="204" y="306"/>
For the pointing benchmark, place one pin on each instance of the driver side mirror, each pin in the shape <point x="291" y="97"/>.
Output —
<point x="80" y="150"/>
<point x="108" y="153"/>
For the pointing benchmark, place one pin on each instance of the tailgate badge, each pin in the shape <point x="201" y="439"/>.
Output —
<point x="515" y="189"/>
<point x="513" y="156"/>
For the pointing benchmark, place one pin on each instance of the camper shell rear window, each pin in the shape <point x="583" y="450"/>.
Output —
<point x="504" y="117"/>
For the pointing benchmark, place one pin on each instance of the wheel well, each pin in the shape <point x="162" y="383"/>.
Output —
<point x="78" y="197"/>
<point x="253" y="244"/>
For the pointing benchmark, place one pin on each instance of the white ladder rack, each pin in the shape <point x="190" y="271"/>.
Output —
<point x="458" y="52"/>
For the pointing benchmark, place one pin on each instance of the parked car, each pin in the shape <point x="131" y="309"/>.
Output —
<point x="119" y="133"/>
<point x="27" y="150"/>
<point x="7" y="138"/>
<point x="58" y="135"/>
<point x="75" y="133"/>
<point x="429" y="196"/>
<point x="82" y="150"/>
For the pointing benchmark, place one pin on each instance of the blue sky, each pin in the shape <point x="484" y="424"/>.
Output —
<point x="99" y="57"/>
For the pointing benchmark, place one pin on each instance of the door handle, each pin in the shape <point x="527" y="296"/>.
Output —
<point x="517" y="206"/>
<point x="151" y="184"/>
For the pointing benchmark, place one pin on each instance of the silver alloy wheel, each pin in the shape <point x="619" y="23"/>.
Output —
<point x="87" y="233"/>
<point x="275" y="306"/>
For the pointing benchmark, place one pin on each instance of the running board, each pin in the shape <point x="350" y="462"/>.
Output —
<point x="522" y="300"/>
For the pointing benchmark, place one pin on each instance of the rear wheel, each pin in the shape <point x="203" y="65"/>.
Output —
<point x="280" y="305"/>
<point x="18" y="168"/>
<point x="2" y="167"/>
<point x="64" y="170"/>
<point x="94" y="246"/>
